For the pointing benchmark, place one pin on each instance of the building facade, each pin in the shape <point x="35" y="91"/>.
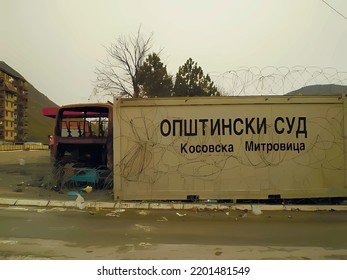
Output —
<point x="13" y="105"/>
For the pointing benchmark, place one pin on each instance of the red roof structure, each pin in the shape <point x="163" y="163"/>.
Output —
<point x="77" y="111"/>
<point x="50" y="112"/>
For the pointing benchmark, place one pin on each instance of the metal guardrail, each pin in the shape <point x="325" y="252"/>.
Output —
<point x="23" y="147"/>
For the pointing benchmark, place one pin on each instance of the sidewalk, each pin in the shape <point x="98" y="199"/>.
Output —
<point x="18" y="171"/>
<point x="88" y="202"/>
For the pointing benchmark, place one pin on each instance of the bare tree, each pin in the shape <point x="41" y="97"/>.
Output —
<point x="119" y="74"/>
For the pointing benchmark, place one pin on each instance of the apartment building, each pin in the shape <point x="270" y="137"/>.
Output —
<point x="13" y="105"/>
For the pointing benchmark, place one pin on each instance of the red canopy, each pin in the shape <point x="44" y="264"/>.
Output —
<point x="51" y="112"/>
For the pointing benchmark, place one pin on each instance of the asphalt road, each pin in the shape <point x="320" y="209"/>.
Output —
<point x="61" y="233"/>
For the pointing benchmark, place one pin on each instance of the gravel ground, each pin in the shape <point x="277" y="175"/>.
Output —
<point x="29" y="175"/>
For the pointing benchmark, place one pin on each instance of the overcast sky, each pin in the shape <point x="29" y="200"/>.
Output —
<point x="57" y="44"/>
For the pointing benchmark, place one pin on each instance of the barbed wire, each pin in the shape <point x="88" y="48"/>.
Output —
<point x="270" y="80"/>
<point x="273" y="80"/>
<point x="334" y="9"/>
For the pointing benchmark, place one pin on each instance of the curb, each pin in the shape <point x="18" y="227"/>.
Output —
<point x="168" y="206"/>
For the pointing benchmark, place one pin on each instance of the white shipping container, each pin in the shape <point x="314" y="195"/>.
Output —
<point x="256" y="147"/>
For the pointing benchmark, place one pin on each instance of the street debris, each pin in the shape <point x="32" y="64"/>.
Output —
<point x="245" y="213"/>
<point x="143" y="212"/>
<point x="112" y="215"/>
<point x="72" y="193"/>
<point x="8" y="242"/>
<point x="145" y="244"/>
<point x="58" y="209"/>
<point x="256" y="210"/>
<point x="80" y="202"/>
<point x="115" y="213"/>
<point x="144" y="228"/>
<point x="180" y="215"/>
<point x="87" y="189"/>
<point x="163" y="219"/>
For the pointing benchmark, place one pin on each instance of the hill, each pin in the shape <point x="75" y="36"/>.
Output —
<point x="40" y="127"/>
<point x="312" y="90"/>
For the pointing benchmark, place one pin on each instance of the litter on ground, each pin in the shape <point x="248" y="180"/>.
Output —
<point x="143" y="212"/>
<point x="180" y="215"/>
<point x="80" y="202"/>
<point x="163" y="219"/>
<point x="256" y="210"/>
<point x="145" y="228"/>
